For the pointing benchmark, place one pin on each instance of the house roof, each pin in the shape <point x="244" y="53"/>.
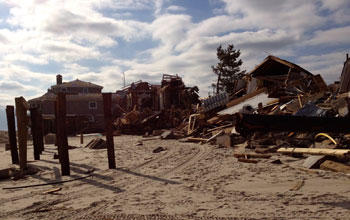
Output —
<point x="276" y="66"/>
<point x="81" y="97"/>
<point x="78" y="83"/>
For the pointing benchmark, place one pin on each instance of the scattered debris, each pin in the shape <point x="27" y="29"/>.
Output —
<point x="51" y="191"/>
<point x="158" y="150"/>
<point x="313" y="161"/>
<point x="97" y="143"/>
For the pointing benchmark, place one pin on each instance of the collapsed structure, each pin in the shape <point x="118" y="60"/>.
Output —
<point x="285" y="107"/>
<point x="137" y="107"/>
<point x="144" y="107"/>
<point x="277" y="107"/>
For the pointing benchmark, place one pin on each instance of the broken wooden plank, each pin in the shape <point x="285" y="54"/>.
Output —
<point x="52" y="190"/>
<point x="316" y="151"/>
<point x="249" y="155"/>
<point x="214" y="136"/>
<point x="313" y="161"/>
<point x="220" y="127"/>
<point x="243" y="98"/>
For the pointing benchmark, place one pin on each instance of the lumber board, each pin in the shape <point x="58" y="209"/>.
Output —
<point x="316" y="151"/>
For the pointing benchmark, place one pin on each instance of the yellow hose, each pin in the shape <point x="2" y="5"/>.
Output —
<point x="327" y="136"/>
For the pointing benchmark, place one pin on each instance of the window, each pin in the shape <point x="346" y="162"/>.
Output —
<point x="85" y="90"/>
<point x="63" y="89"/>
<point x="92" y="105"/>
<point x="91" y="118"/>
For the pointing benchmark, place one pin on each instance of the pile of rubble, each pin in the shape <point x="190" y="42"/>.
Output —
<point x="284" y="109"/>
<point x="143" y="107"/>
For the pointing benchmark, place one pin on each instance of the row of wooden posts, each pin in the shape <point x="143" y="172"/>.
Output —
<point x="61" y="135"/>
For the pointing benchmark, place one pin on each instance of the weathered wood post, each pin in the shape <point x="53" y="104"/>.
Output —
<point x="81" y="138"/>
<point x="22" y="122"/>
<point x="11" y="127"/>
<point x="107" y="107"/>
<point x="40" y="132"/>
<point x="62" y="141"/>
<point x="35" y="132"/>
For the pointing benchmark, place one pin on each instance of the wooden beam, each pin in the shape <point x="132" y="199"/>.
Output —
<point x="316" y="151"/>
<point x="10" y="114"/>
<point x="62" y="141"/>
<point x="22" y="122"/>
<point x="243" y="98"/>
<point x="248" y="123"/>
<point x="35" y="132"/>
<point x="107" y="106"/>
<point x="40" y="132"/>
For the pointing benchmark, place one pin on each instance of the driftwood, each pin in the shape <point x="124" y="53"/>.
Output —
<point x="316" y="151"/>
<point x="247" y="156"/>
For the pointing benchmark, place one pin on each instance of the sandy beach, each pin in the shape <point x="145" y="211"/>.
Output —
<point x="186" y="181"/>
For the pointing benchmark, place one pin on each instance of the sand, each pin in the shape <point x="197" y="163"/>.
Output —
<point x="186" y="181"/>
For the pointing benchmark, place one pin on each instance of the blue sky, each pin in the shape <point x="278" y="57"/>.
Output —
<point x="99" y="40"/>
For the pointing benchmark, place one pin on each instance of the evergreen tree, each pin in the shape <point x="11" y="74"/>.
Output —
<point x="228" y="68"/>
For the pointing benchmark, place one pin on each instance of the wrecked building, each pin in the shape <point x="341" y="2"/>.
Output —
<point x="84" y="105"/>
<point x="145" y="107"/>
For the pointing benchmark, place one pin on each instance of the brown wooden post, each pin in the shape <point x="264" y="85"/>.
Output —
<point x="62" y="141"/>
<point x="35" y="132"/>
<point x="22" y="122"/>
<point x="107" y="106"/>
<point x="40" y="132"/>
<point x="81" y="138"/>
<point x="10" y="113"/>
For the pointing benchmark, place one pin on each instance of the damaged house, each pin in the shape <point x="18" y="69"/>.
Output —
<point x="84" y="106"/>
<point x="276" y="81"/>
<point x="145" y="107"/>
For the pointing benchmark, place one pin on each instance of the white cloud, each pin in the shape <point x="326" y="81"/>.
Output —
<point x="72" y="31"/>
<point x="329" y="65"/>
<point x="297" y="15"/>
<point x="331" y="37"/>
<point x="175" y="8"/>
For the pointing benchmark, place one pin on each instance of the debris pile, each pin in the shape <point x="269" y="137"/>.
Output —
<point x="143" y="107"/>
<point x="285" y="109"/>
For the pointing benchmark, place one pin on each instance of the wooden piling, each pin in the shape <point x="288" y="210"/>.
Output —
<point x="107" y="106"/>
<point x="22" y="122"/>
<point x="10" y="114"/>
<point x="62" y="141"/>
<point x="35" y="132"/>
<point x="40" y="132"/>
<point x="81" y="138"/>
